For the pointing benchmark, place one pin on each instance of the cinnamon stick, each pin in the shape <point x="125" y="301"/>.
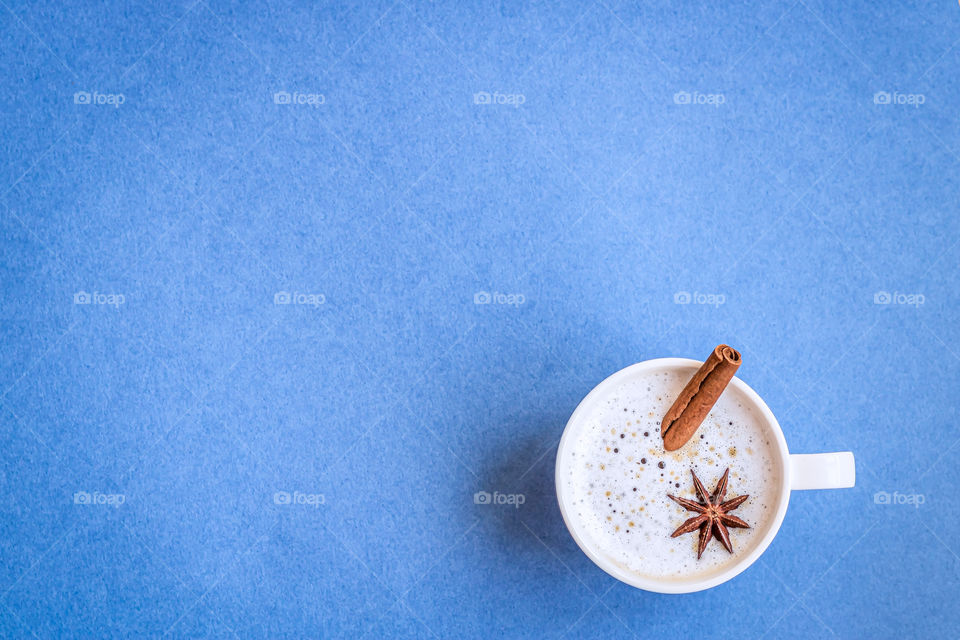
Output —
<point x="698" y="397"/>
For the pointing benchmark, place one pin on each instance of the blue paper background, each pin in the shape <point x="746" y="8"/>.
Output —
<point x="785" y="187"/>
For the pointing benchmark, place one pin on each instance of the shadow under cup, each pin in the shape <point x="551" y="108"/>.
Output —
<point x="765" y="531"/>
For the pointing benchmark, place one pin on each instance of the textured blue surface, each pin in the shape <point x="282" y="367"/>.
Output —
<point x="795" y="163"/>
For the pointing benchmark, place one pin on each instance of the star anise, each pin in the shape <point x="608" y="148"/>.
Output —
<point x="714" y="517"/>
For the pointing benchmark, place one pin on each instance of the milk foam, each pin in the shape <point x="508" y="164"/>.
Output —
<point x="618" y="492"/>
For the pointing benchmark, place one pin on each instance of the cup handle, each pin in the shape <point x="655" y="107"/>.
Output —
<point x="822" y="470"/>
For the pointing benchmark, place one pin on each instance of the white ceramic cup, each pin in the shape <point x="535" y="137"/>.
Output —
<point x="797" y="471"/>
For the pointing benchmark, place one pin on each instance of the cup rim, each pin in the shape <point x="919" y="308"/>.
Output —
<point x="674" y="585"/>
